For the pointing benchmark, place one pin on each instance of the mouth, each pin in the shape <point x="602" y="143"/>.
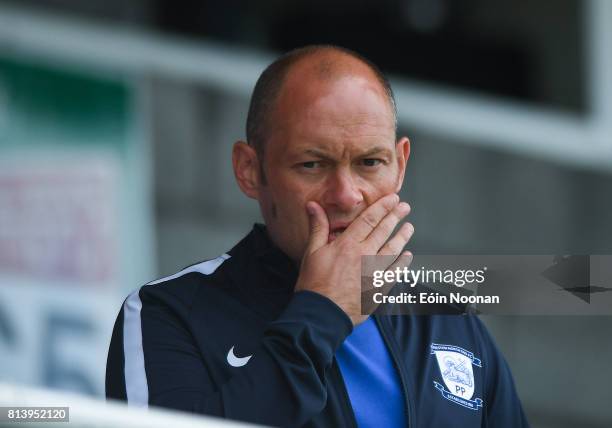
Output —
<point x="335" y="232"/>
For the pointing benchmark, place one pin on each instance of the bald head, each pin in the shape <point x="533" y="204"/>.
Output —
<point x="304" y="66"/>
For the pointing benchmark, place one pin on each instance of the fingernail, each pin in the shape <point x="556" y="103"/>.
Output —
<point x="310" y="209"/>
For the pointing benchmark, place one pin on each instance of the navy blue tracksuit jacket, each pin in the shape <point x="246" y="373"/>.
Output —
<point x="229" y="337"/>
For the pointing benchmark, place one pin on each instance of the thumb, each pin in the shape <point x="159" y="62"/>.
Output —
<point x="319" y="226"/>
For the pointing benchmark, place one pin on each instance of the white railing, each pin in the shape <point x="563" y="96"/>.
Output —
<point x="87" y="412"/>
<point x="580" y="141"/>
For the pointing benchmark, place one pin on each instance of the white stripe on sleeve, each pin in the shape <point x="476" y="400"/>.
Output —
<point x="136" y="385"/>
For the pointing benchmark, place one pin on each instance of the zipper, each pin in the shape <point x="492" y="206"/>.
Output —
<point x="399" y="367"/>
<point x="348" y="408"/>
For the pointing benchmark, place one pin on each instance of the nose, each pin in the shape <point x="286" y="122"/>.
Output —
<point x="342" y="192"/>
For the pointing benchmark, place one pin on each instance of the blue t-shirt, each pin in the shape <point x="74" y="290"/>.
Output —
<point x="371" y="378"/>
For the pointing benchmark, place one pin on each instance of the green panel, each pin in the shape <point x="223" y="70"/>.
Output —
<point x="48" y="107"/>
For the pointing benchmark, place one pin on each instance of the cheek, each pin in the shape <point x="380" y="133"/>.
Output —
<point x="288" y="205"/>
<point x="293" y="193"/>
<point x="378" y="187"/>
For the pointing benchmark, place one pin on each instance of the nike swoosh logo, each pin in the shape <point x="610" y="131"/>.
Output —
<point x="235" y="361"/>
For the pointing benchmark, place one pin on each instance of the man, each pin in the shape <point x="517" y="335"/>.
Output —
<point x="272" y="332"/>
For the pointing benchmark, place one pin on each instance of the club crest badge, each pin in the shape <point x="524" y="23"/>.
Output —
<point x="456" y="367"/>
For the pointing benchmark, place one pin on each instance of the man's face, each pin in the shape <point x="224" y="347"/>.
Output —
<point x="332" y="142"/>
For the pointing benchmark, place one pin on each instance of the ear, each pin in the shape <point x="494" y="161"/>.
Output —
<point x="246" y="169"/>
<point x="402" y="149"/>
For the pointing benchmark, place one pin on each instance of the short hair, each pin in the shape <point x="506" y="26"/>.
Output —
<point x="270" y="82"/>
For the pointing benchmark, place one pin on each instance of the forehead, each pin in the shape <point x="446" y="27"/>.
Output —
<point x="350" y="108"/>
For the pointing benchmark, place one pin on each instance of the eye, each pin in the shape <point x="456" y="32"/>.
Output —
<point x="310" y="164"/>
<point x="371" y="162"/>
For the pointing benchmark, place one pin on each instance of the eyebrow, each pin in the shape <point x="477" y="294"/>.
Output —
<point x="373" y="151"/>
<point x="376" y="150"/>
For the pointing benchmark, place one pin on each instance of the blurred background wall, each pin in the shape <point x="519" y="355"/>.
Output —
<point x="116" y="125"/>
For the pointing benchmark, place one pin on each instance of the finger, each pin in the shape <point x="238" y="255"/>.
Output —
<point x="319" y="227"/>
<point x="363" y="225"/>
<point x="383" y="231"/>
<point x="396" y="244"/>
<point x="401" y="262"/>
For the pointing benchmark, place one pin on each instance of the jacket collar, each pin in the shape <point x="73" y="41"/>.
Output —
<point x="272" y="258"/>
<point x="262" y="275"/>
<point x="266" y="267"/>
